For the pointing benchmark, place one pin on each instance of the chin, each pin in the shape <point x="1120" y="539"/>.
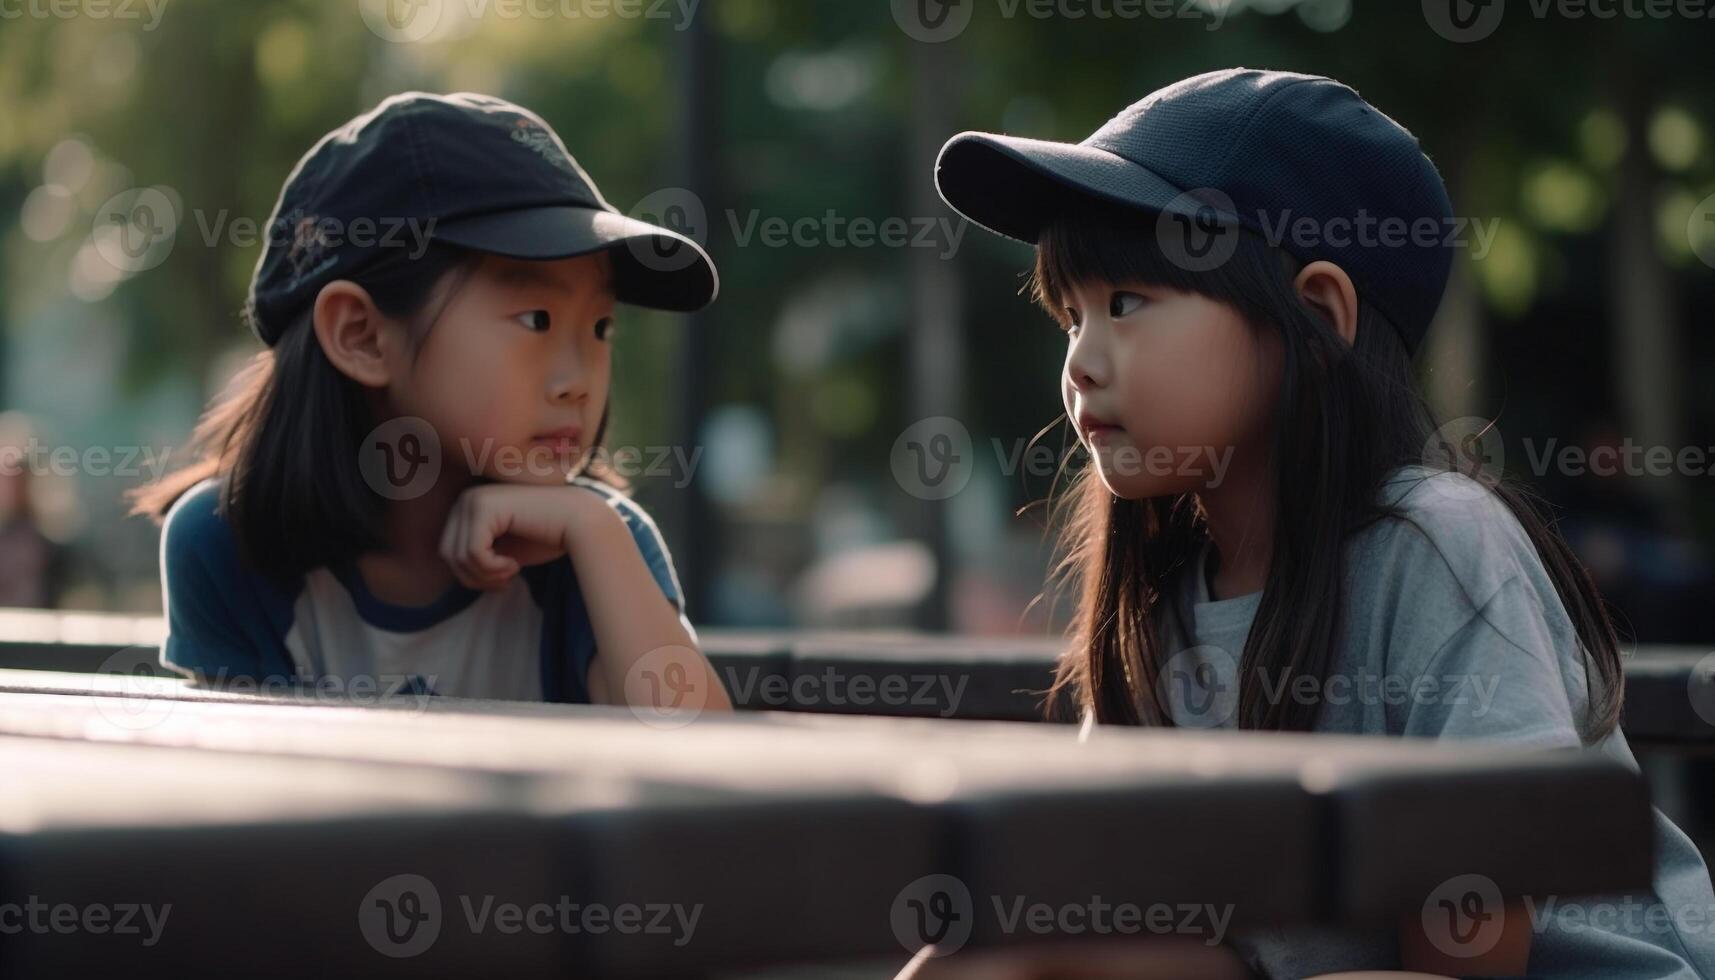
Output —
<point x="535" y="467"/>
<point x="537" y="479"/>
<point x="1134" y="481"/>
<point x="1133" y="487"/>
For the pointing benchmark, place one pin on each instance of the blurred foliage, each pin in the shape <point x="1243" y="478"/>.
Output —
<point x="221" y="98"/>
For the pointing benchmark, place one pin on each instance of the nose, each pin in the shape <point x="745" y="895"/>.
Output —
<point x="1086" y="362"/>
<point x="568" y="375"/>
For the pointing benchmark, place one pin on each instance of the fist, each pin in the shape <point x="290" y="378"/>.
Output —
<point x="495" y="530"/>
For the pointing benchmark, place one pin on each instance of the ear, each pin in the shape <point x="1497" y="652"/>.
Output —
<point x="353" y="333"/>
<point x="1325" y="288"/>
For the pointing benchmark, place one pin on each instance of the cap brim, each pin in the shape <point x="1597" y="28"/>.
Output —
<point x="653" y="267"/>
<point x="1014" y="186"/>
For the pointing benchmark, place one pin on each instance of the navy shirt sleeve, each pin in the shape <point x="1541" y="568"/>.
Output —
<point x="648" y="539"/>
<point x="653" y="549"/>
<point x="224" y="622"/>
<point x="568" y="635"/>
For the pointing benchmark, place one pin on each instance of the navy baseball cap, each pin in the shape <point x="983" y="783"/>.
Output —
<point x="1255" y="149"/>
<point x="468" y="170"/>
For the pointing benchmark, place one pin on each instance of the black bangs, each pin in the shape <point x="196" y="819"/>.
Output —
<point x="1114" y="244"/>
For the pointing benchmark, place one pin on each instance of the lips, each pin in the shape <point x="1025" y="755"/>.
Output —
<point x="564" y="439"/>
<point x="1093" y="426"/>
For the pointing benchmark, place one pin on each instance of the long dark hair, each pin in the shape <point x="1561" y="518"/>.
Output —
<point x="285" y="436"/>
<point x="1347" y="417"/>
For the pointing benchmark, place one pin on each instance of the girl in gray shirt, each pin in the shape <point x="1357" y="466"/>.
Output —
<point x="1272" y="532"/>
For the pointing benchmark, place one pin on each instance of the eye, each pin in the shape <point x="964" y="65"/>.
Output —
<point x="604" y="328"/>
<point x="536" y="320"/>
<point x="1124" y="304"/>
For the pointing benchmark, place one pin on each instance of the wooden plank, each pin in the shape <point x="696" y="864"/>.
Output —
<point x="1399" y="841"/>
<point x="255" y="866"/>
<point x="1670" y="695"/>
<point x="1669" y="699"/>
<point x="1004" y="784"/>
<point x="271" y="864"/>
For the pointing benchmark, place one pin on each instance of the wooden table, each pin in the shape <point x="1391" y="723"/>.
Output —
<point x="269" y="824"/>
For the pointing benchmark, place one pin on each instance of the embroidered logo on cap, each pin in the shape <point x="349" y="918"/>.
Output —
<point x="534" y="136"/>
<point x="308" y="251"/>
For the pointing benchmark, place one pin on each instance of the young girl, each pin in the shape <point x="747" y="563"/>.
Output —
<point x="1270" y="536"/>
<point x="404" y="492"/>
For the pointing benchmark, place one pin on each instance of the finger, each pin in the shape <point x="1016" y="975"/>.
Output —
<point x="485" y="569"/>
<point x="481" y="532"/>
<point x="449" y="542"/>
<point x="458" y="556"/>
<point x="450" y="536"/>
<point x="503" y="578"/>
<point x="504" y="564"/>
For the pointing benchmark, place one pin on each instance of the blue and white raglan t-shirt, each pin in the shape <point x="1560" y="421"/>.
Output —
<point x="531" y="641"/>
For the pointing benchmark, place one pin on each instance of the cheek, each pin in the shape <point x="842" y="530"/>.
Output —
<point x="1068" y="394"/>
<point x="600" y="361"/>
<point x="1211" y="386"/>
<point x="462" y="383"/>
<point x="596" y="368"/>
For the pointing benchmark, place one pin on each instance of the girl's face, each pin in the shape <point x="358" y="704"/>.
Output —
<point x="1164" y="387"/>
<point x="514" y="375"/>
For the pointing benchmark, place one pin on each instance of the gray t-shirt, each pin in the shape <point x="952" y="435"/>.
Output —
<point x="1452" y="629"/>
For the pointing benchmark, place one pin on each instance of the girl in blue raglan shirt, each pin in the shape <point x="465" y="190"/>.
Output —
<point x="406" y="490"/>
<point x="1270" y="533"/>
